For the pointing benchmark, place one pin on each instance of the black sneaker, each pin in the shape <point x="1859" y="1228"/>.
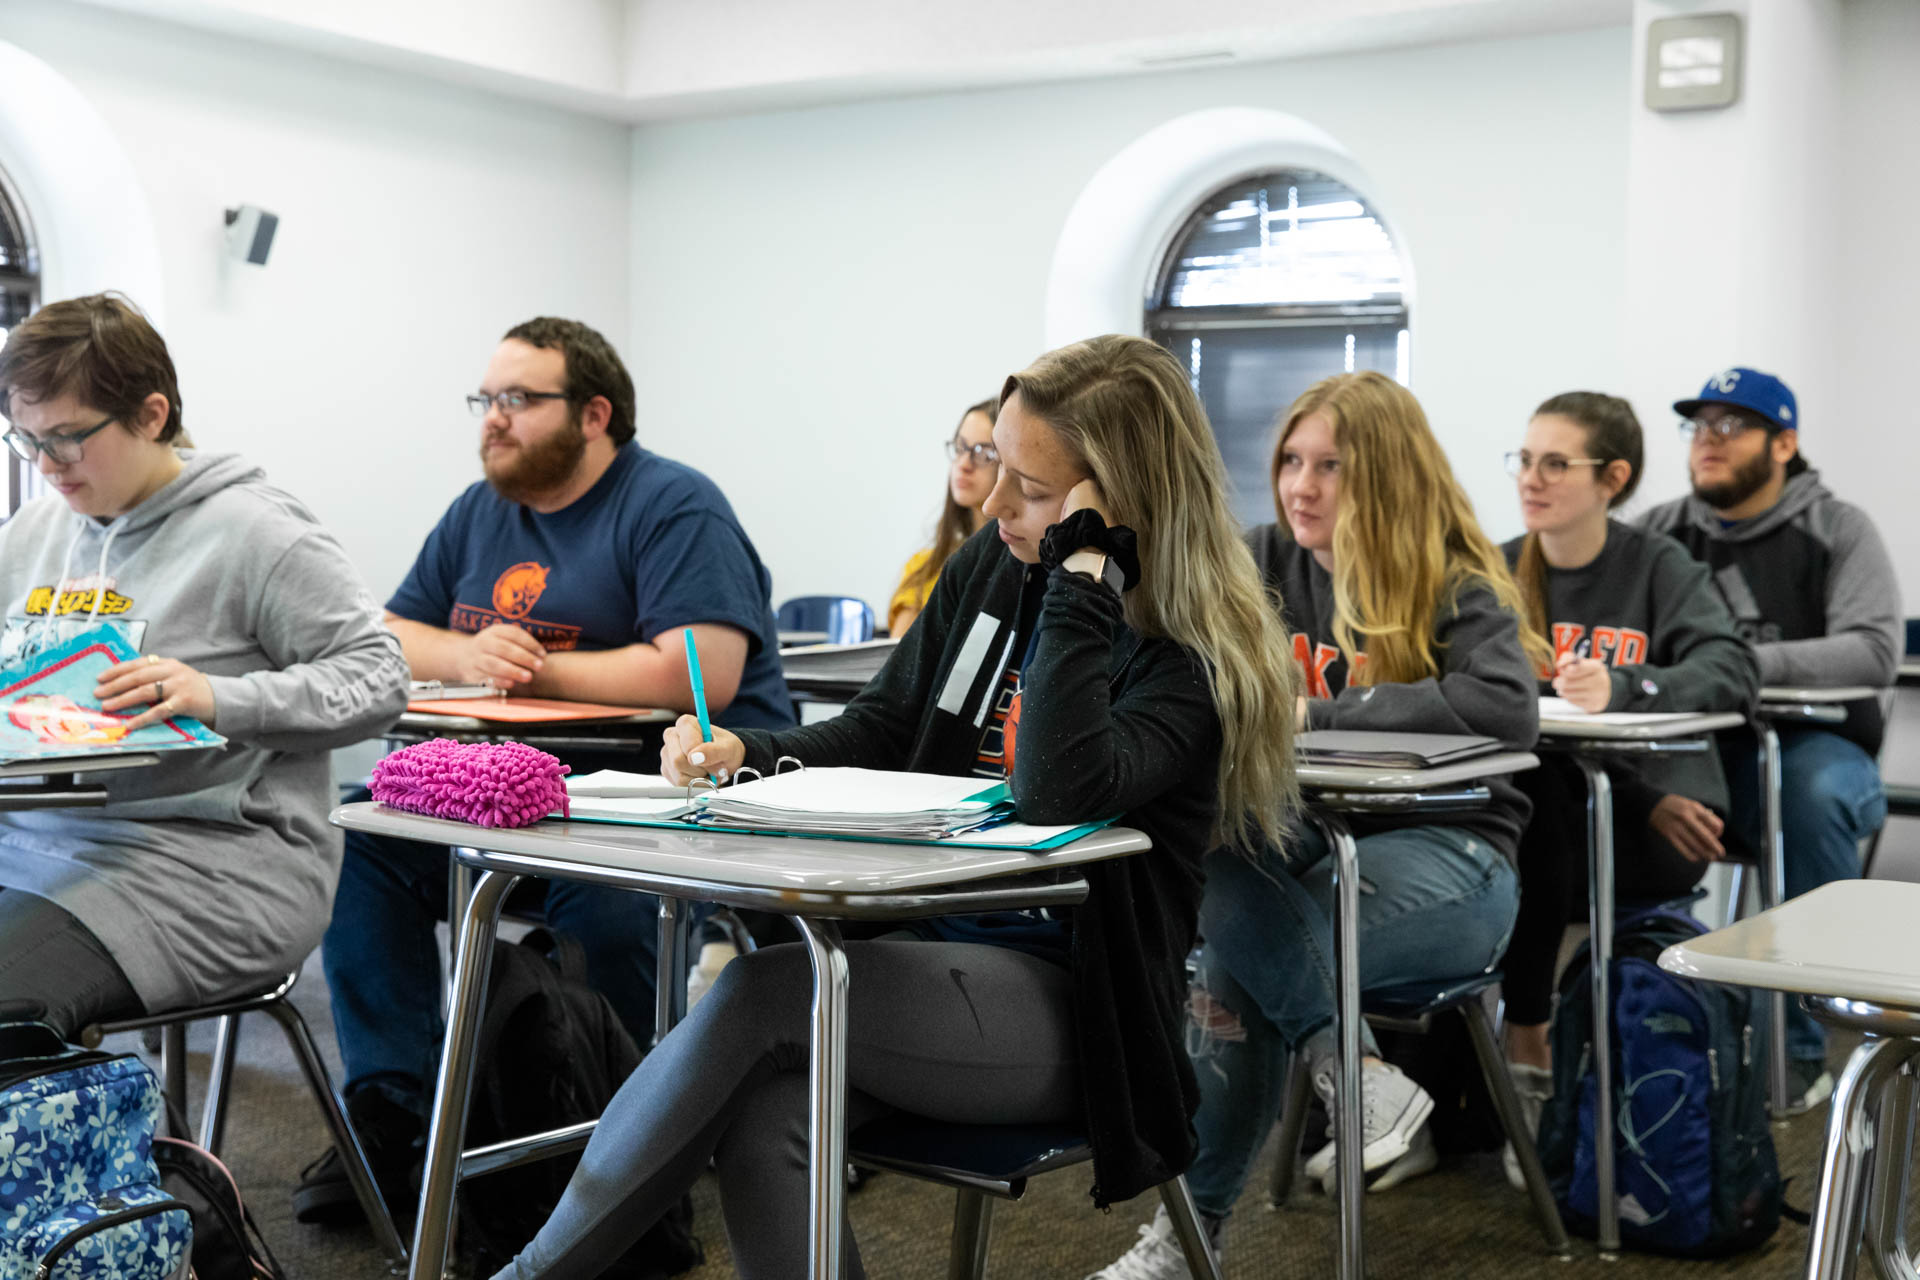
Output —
<point x="395" y="1141"/>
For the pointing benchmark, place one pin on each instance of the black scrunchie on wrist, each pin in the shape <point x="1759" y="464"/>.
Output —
<point x="1085" y="528"/>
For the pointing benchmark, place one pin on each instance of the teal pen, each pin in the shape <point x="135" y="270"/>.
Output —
<point x="699" y="688"/>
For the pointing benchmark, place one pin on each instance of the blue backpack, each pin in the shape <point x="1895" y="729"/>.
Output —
<point x="79" y="1194"/>
<point x="1694" y="1164"/>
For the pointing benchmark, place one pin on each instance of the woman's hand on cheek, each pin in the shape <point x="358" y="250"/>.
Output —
<point x="1083" y="496"/>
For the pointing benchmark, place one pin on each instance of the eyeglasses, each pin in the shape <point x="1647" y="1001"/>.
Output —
<point x="1726" y="428"/>
<point x="984" y="455"/>
<point x="510" y="402"/>
<point x="1552" y="467"/>
<point x="62" y="447"/>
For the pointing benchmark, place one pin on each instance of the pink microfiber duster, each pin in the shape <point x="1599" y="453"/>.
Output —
<point x="490" y="784"/>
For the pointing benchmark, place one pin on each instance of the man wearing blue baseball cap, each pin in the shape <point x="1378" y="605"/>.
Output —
<point x="1812" y="589"/>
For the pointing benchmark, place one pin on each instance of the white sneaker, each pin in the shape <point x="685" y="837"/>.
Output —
<point x="1395" y="1108"/>
<point x="1533" y="1086"/>
<point x="1156" y="1255"/>
<point x="714" y="957"/>
<point x="1422" y="1157"/>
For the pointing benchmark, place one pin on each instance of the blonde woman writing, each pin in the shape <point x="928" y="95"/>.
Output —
<point x="1135" y="669"/>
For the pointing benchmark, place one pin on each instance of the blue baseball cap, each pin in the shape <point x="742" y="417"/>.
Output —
<point x="1750" y="389"/>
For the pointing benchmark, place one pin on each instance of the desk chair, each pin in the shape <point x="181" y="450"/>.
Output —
<point x="982" y="1160"/>
<point x="213" y="1122"/>
<point x="844" y="619"/>
<point x="1412" y="1008"/>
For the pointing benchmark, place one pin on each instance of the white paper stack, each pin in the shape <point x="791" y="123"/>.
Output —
<point x="613" y="796"/>
<point x="880" y="804"/>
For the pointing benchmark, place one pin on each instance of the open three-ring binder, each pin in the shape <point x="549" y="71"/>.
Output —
<point x="827" y="803"/>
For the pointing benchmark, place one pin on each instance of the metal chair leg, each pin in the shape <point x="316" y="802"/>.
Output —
<point x="1773" y="892"/>
<point x="173" y="1071"/>
<point x="1188" y="1229"/>
<point x="1888" y="1177"/>
<point x="1736" y="894"/>
<point x="1293" y="1122"/>
<point x="345" y="1140"/>
<point x="213" y="1112"/>
<point x="972" y="1225"/>
<point x="1833" y="1239"/>
<point x="736" y="928"/>
<point x="1493" y="1065"/>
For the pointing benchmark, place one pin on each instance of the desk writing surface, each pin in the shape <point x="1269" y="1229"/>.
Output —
<point x="1796" y="693"/>
<point x="1681" y="724"/>
<point x="771" y="862"/>
<point x="1346" y="777"/>
<point x="835" y="669"/>
<point x="1852" y="938"/>
<point x="78" y="764"/>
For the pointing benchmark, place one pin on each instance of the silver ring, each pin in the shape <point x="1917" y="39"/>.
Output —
<point x="159" y="691"/>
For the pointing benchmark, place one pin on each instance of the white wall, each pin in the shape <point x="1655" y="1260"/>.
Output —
<point x="1866" y="438"/>
<point x="817" y="293"/>
<point x="418" y="222"/>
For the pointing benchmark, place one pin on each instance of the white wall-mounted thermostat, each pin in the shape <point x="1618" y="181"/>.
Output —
<point x="1693" y="63"/>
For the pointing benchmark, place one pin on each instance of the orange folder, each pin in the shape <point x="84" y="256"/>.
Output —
<point x="523" y="710"/>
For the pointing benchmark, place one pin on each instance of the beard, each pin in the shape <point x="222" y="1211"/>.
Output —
<point x="536" y="469"/>
<point x="1747" y="479"/>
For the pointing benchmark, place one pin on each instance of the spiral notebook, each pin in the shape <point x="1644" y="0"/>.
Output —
<point x="879" y="805"/>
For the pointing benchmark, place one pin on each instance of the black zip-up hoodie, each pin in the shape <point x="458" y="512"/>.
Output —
<point x="1111" y="723"/>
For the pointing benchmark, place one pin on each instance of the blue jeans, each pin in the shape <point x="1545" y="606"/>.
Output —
<point x="383" y="964"/>
<point x="1831" y="799"/>
<point x="1435" y="902"/>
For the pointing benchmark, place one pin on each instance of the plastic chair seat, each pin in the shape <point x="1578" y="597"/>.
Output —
<point x="998" y="1158"/>
<point x="842" y="619"/>
<point x="1418" y="999"/>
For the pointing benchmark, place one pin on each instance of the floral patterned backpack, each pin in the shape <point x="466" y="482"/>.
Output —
<point x="80" y="1198"/>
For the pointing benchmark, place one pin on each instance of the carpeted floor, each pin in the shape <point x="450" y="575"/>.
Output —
<point x="1461" y="1221"/>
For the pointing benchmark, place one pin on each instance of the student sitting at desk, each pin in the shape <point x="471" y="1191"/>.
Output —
<point x="1170" y="705"/>
<point x="209" y="872"/>
<point x="570" y="572"/>
<point x="1403" y="617"/>
<point x="971" y="471"/>
<point x="1812" y="589"/>
<point x="1634" y="625"/>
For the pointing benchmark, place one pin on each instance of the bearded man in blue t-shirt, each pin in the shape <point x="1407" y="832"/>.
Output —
<point x="571" y="571"/>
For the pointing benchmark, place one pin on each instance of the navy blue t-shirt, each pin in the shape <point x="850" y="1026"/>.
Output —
<point x="652" y="547"/>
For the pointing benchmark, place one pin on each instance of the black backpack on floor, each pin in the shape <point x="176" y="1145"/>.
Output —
<point x="227" y="1244"/>
<point x="550" y="1053"/>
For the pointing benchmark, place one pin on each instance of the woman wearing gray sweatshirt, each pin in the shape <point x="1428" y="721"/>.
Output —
<point x="211" y="870"/>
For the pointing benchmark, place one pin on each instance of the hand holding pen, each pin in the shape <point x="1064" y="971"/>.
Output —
<point x="693" y="748"/>
<point x="1583" y="681"/>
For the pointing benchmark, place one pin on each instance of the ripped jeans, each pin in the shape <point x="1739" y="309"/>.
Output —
<point x="1435" y="902"/>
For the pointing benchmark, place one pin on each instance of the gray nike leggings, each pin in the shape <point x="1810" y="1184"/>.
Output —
<point x="963" y="1032"/>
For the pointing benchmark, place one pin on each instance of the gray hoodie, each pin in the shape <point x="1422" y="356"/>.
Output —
<point x="215" y="869"/>
<point x="1811" y="587"/>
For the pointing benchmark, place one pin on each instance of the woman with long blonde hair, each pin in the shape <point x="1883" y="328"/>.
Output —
<point x="1403" y="617"/>
<point x="1131" y="667"/>
<point x="972" y="466"/>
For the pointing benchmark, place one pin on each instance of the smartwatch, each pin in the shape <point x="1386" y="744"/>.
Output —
<point x="1099" y="566"/>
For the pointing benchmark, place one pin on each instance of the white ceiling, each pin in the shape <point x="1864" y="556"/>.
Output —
<point x="640" y="60"/>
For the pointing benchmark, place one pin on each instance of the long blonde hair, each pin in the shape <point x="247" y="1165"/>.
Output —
<point x="1123" y="406"/>
<point x="1404" y="536"/>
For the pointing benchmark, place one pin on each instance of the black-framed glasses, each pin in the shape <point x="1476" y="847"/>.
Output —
<point x="984" y="455"/>
<point x="1728" y="427"/>
<point x="1551" y="467"/>
<point x="510" y="401"/>
<point x="63" y="447"/>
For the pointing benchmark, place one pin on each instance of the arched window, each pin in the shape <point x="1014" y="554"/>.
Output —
<point x="19" y="295"/>
<point x="1275" y="282"/>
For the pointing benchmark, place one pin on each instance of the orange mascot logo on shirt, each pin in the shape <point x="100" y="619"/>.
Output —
<point x="517" y="590"/>
<point x="52" y="718"/>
